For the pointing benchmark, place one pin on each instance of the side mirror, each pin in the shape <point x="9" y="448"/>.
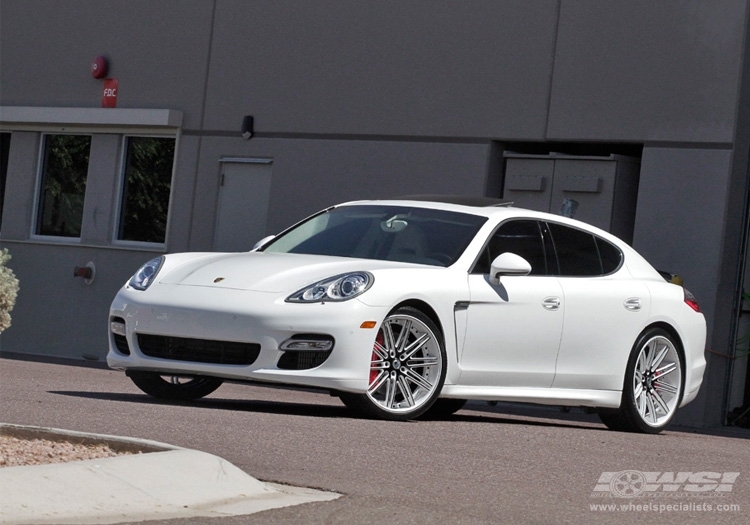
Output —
<point x="508" y="264"/>
<point x="261" y="242"/>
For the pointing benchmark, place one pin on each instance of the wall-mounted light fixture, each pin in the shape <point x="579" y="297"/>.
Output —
<point x="247" y="127"/>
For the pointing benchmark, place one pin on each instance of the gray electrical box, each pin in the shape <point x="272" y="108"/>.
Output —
<point x="604" y="188"/>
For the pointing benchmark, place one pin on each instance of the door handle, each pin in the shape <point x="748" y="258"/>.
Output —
<point x="633" y="304"/>
<point x="551" y="303"/>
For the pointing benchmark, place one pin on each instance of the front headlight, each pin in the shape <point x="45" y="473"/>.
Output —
<point x="146" y="274"/>
<point x="338" y="288"/>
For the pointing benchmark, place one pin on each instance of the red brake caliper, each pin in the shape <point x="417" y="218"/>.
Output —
<point x="374" y="372"/>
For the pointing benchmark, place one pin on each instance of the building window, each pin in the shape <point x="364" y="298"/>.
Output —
<point x="65" y="164"/>
<point x="146" y="185"/>
<point x="4" y="154"/>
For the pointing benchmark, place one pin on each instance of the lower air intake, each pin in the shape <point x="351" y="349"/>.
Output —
<point x="303" y="360"/>
<point x="198" y="350"/>
<point x="121" y="343"/>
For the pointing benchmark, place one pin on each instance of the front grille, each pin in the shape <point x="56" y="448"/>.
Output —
<point x="303" y="360"/>
<point x="121" y="343"/>
<point x="198" y="350"/>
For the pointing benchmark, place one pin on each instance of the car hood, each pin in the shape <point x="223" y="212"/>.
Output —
<point x="263" y="272"/>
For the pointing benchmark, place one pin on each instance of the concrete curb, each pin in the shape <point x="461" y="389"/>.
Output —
<point x="165" y="482"/>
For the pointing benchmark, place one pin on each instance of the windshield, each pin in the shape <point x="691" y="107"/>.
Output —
<point x="389" y="233"/>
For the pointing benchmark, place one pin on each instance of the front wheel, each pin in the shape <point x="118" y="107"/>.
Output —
<point x="174" y="388"/>
<point x="653" y="385"/>
<point x="443" y="409"/>
<point x="407" y="368"/>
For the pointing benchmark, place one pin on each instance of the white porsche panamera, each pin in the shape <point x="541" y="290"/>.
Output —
<point x="407" y="308"/>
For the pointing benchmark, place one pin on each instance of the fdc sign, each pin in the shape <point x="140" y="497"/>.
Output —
<point x="109" y="96"/>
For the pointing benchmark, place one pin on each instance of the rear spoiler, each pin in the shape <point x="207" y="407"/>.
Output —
<point x="690" y="299"/>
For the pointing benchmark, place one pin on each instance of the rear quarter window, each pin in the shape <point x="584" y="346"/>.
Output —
<point x="610" y="254"/>
<point x="583" y="254"/>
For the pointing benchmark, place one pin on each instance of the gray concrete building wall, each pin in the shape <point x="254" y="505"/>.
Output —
<point x="425" y="69"/>
<point x="158" y="50"/>
<point x="648" y="71"/>
<point x="607" y="71"/>
<point x="680" y="228"/>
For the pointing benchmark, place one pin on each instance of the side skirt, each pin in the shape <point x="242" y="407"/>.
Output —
<point x="541" y="396"/>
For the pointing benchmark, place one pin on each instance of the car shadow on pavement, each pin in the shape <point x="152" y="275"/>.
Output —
<point x="473" y="413"/>
<point x="237" y="405"/>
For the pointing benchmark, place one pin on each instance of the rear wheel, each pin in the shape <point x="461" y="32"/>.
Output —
<point x="407" y="368"/>
<point x="653" y="385"/>
<point x="172" y="387"/>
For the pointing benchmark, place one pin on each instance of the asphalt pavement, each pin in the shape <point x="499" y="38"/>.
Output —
<point x="485" y="465"/>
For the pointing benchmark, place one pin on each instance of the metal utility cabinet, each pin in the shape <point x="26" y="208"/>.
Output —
<point x="605" y="188"/>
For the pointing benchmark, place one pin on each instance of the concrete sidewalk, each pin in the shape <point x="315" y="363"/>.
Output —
<point x="162" y="482"/>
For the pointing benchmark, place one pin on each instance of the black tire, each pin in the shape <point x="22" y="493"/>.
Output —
<point x="653" y="386"/>
<point x="612" y="419"/>
<point x="407" y="369"/>
<point x="443" y="409"/>
<point x="172" y="387"/>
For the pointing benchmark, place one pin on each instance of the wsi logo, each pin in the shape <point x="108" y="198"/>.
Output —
<point x="632" y="483"/>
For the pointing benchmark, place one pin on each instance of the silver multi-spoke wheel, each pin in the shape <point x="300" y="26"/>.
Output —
<point x="657" y="379"/>
<point x="406" y="364"/>
<point x="653" y="385"/>
<point x="407" y="368"/>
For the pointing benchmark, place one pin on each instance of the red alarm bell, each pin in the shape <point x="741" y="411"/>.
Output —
<point x="99" y="67"/>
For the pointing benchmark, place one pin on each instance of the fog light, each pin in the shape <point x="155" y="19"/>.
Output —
<point x="117" y="328"/>
<point x="312" y="342"/>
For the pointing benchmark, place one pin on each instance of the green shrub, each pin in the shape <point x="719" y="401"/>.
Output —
<point x="8" y="290"/>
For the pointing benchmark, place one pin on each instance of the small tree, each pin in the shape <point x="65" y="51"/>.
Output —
<point x="8" y="290"/>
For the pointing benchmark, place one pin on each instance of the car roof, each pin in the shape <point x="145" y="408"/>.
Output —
<point x="483" y="206"/>
<point x="462" y="200"/>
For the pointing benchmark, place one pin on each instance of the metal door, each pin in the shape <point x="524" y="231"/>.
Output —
<point x="243" y="203"/>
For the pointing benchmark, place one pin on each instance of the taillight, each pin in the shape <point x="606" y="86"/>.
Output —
<point x="691" y="301"/>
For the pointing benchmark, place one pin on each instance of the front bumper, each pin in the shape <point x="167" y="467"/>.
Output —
<point x="239" y="316"/>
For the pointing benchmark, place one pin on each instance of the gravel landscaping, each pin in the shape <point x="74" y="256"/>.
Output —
<point x="16" y="452"/>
